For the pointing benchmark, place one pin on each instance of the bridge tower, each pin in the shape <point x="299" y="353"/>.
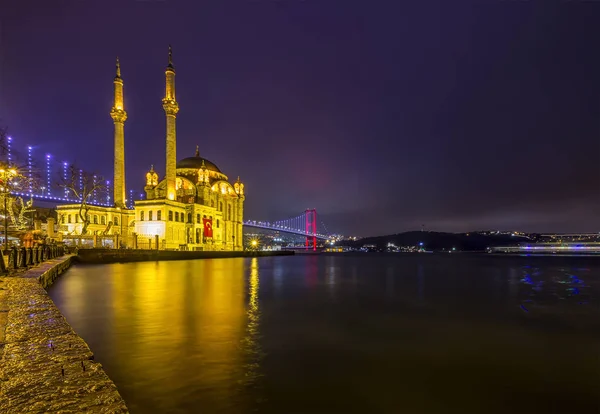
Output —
<point x="119" y="117"/>
<point x="311" y="228"/>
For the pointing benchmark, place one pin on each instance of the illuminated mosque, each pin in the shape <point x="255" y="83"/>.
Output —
<point x="194" y="207"/>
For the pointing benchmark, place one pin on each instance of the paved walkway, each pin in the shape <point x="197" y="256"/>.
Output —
<point x="44" y="365"/>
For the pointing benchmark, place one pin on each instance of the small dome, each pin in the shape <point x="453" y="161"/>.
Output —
<point x="196" y="163"/>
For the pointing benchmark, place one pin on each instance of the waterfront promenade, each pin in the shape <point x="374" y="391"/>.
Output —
<point x="44" y="365"/>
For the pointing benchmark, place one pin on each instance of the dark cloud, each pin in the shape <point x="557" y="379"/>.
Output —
<point x="382" y="115"/>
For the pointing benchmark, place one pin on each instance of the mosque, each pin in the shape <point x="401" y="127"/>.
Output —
<point x="194" y="207"/>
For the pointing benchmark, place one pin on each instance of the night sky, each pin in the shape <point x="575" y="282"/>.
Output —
<point x="382" y="115"/>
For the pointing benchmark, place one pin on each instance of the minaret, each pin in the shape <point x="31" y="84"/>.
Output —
<point x="171" y="108"/>
<point x="119" y="116"/>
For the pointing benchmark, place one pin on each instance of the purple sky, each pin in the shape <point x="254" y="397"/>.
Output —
<point x="382" y="115"/>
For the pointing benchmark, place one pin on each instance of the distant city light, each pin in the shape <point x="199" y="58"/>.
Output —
<point x="80" y="183"/>
<point x="65" y="179"/>
<point x="29" y="162"/>
<point x="49" y="183"/>
<point x="95" y="193"/>
<point x="9" y="146"/>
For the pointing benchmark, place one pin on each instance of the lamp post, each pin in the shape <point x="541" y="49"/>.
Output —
<point x="5" y="224"/>
<point x="6" y="175"/>
<point x="121" y="224"/>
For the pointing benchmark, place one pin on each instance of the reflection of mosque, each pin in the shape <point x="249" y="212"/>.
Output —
<point x="209" y="312"/>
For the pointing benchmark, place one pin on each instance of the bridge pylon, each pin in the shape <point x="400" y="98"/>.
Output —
<point x="311" y="228"/>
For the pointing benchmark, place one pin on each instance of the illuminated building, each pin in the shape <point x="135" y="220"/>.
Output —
<point x="194" y="207"/>
<point x="105" y="221"/>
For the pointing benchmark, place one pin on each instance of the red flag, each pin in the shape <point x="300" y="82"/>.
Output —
<point x="207" y="227"/>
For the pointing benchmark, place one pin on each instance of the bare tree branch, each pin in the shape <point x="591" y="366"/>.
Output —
<point x="82" y="185"/>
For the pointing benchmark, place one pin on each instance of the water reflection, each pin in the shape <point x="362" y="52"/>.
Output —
<point x="171" y="320"/>
<point x="369" y="333"/>
<point x="251" y="342"/>
<point x="563" y="287"/>
<point x="278" y="271"/>
<point x="312" y="271"/>
<point x="421" y="282"/>
<point x="389" y="282"/>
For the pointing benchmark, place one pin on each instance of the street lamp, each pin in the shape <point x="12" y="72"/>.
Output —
<point x="6" y="175"/>
<point x="121" y="224"/>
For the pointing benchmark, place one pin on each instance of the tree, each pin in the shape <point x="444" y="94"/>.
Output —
<point x="82" y="185"/>
<point x="12" y="182"/>
<point x="17" y="210"/>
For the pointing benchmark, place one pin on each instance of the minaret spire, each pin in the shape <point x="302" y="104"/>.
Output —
<point x="197" y="150"/>
<point x="118" y="68"/>
<point x="171" y="108"/>
<point x="119" y="117"/>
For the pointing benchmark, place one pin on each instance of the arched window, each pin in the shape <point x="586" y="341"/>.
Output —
<point x="170" y="215"/>
<point x="141" y="216"/>
<point x="189" y="217"/>
<point x="159" y="215"/>
<point x="69" y="218"/>
<point x="220" y="206"/>
<point x="102" y="219"/>
<point x="62" y="219"/>
<point x="198" y="218"/>
<point x="76" y="218"/>
<point x="116" y="221"/>
<point x="229" y="212"/>
<point x="217" y="223"/>
<point x="95" y="219"/>
<point x="150" y="215"/>
<point x="177" y="216"/>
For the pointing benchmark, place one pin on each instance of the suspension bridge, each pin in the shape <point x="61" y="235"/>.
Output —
<point x="304" y="224"/>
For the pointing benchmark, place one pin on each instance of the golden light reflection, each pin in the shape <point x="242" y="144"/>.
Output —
<point x="251" y="343"/>
<point x="254" y="283"/>
<point x="170" y="315"/>
<point x="176" y="325"/>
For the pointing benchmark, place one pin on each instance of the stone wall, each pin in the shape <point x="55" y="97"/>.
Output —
<point x="125" y="255"/>
<point x="45" y="366"/>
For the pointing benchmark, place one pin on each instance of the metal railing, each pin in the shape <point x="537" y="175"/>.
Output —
<point x="25" y="257"/>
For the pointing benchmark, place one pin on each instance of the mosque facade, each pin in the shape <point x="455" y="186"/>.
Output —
<point x="194" y="207"/>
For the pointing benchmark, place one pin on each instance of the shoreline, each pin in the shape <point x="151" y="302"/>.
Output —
<point x="44" y="365"/>
<point x="102" y="256"/>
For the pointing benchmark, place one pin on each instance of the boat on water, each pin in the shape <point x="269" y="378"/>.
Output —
<point x="572" y="248"/>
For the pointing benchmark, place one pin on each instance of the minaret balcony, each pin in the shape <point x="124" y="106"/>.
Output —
<point x="118" y="115"/>
<point x="170" y="106"/>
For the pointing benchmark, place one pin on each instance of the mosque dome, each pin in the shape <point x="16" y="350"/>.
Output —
<point x="195" y="163"/>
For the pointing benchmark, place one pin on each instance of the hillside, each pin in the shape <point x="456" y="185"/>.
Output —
<point x="438" y="240"/>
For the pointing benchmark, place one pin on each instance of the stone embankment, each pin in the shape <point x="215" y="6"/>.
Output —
<point x="44" y="365"/>
<point x="135" y="255"/>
